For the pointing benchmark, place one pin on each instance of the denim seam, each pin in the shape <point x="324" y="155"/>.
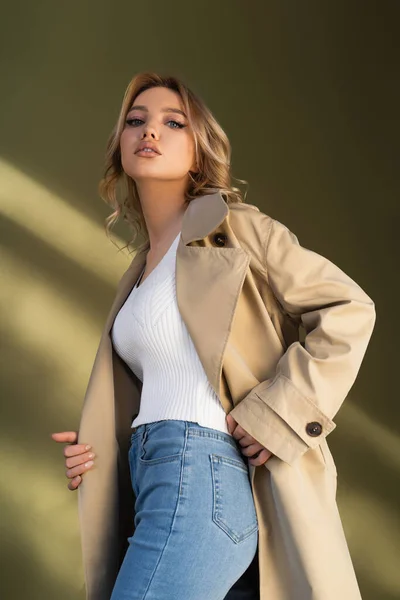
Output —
<point x="175" y="512"/>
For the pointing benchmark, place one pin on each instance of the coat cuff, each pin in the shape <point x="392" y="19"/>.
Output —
<point x="282" y="419"/>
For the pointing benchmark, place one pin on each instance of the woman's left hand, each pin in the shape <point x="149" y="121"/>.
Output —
<point x="250" y="445"/>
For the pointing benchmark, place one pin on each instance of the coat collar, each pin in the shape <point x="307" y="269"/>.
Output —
<point x="202" y="216"/>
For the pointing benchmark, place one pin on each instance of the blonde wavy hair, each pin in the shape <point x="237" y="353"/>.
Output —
<point x="212" y="150"/>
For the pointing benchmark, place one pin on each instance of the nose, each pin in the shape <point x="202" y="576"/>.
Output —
<point x="150" y="132"/>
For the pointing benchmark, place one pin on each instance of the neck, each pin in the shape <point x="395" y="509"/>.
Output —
<point x="163" y="209"/>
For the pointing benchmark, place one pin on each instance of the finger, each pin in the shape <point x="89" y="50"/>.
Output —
<point x="74" y="483"/>
<point x="252" y="449"/>
<point x="261" y="458"/>
<point x="65" y="437"/>
<point x="239" y="433"/>
<point x="79" y="469"/>
<point x="79" y="459"/>
<point x="246" y="440"/>
<point x="76" y="449"/>
<point x="230" y="423"/>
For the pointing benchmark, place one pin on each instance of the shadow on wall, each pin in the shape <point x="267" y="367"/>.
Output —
<point x="54" y="306"/>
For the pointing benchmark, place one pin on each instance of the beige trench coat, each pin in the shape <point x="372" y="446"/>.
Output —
<point x="244" y="284"/>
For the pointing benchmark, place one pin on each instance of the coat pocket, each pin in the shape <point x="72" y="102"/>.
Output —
<point x="233" y="504"/>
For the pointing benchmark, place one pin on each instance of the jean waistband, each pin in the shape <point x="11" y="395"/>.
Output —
<point x="192" y="427"/>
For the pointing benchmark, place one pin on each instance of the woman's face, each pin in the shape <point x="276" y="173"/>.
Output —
<point x="156" y="116"/>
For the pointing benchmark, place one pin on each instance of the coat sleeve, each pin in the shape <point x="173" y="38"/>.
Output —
<point x="293" y="411"/>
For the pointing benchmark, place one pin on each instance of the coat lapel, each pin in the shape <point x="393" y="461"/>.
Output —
<point x="208" y="282"/>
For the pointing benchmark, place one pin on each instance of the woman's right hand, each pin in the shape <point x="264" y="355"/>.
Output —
<point x="78" y="457"/>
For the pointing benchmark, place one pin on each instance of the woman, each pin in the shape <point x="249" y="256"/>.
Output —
<point x="183" y="500"/>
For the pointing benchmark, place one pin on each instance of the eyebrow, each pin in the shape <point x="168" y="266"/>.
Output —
<point x="164" y="110"/>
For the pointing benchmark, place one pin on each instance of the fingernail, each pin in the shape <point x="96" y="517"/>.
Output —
<point x="87" y="447"/>
<point x="91" y="455"/>
<point x="89" y="464"/>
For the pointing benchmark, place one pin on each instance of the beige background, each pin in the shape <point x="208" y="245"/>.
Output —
<point x="308" y="94"/>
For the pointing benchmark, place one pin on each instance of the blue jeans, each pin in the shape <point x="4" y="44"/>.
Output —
<point x="196" y="529"/>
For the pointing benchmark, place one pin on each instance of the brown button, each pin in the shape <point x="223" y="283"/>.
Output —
<point x="314" y="428"/>
<point x="220" y="239"/>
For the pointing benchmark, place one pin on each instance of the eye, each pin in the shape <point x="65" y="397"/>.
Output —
<point x="136" y="122"/>
<point x="130" y="122"/>
<point x="179" y="125"/>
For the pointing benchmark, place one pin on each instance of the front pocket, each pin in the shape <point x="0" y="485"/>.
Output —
<point x="159" y="449"/>
<point x="233" y="505"/>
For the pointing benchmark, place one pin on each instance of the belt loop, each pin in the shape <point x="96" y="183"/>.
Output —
<point x="145" y="434"/>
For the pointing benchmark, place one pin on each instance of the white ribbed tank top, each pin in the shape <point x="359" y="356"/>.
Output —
<point x="150" y="336"/>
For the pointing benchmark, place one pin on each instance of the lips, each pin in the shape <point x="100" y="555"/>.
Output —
<point x="148" y="145"/>
<point x="147" y="153"/>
